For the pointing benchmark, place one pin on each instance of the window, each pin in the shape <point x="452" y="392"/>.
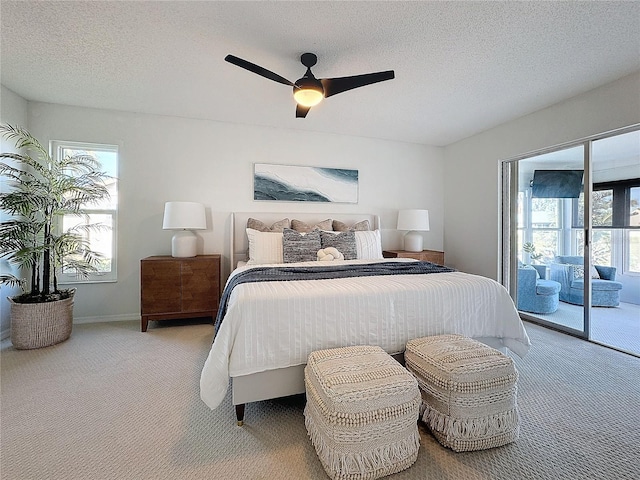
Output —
<point x="102" y="239"/>
<point x="634" y="251"/>
<point x="542" y="226"/>
<point x="601" y="242"/>
<point x="615" y="213"/>
<point x="634" y="207"/>
<point x="633" y="232"/>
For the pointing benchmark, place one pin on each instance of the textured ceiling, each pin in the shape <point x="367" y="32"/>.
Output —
<point x="461" y="67"/>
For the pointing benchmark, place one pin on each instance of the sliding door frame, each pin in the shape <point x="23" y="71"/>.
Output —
<point x="586" y="225"/>
<point x="507" y="260"/>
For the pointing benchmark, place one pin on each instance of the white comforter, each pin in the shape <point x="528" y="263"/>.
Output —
<point x="271" y="325"/>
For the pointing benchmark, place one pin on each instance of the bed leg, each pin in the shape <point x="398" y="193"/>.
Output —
<point x="240" y="414"/>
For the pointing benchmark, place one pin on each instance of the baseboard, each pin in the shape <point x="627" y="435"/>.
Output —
<point x="126" y="317"/>
<point x="6" y="333"/>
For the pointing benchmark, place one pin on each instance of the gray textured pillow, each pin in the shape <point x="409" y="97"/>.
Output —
<point x="300" y="226"/>
<point x="300" y="247"/>
<point x="278" y="226"/>
<point x="345" y="242"/>
<point x="339" y="226"/>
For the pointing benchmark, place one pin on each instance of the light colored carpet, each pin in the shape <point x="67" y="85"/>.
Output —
<point x="115" y="403"/>
<point x="618" y="327"/>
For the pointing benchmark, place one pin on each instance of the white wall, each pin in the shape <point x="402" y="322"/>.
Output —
<point x="167" y="158"/>
<point x="472" y="190"/>
<point x="13" y="110"/>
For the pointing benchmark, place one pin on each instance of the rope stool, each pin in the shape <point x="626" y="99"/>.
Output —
<point x="468" y="391"/>
<point x="361" y="413"/>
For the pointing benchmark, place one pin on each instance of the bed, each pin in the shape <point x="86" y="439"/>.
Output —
<point x="266" y="329"/>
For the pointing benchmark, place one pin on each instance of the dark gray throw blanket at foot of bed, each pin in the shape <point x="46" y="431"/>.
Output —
<point x="270" y="274"/>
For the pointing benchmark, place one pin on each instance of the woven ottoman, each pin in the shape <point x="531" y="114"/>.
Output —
<point x="362" y="412"/>
<point x="468" y="391"/>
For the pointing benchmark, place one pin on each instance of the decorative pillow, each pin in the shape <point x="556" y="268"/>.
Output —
<point x="264" y="247"/>
<point x="329" y="254"/>
<point x="369" y="245"/>
<point x="342" y="227"/>
<point x="300" y="226"/>
<point x="345" y="242"/>
<point x="278" y="226"/>
<point x="300" y="247"/>
<point x="578" y="272"/>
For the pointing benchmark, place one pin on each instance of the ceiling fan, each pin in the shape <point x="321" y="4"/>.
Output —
<point x="309" y="91"/>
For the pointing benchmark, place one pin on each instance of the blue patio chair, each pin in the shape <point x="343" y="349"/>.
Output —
<point x="569" y="272"/>
<point x="535" y="294"/>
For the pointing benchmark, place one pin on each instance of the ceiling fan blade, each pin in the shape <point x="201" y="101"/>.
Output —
<point x="333" y="86"/>
<point x="252" y="67"/>
<point x="302" y="111"/>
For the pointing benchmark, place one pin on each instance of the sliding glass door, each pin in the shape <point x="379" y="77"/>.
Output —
<point x="571" y="238"/>
<point x="615" y="215"/>
<point x="548" y="186"/>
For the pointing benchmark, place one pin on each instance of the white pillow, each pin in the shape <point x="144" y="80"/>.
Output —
<point x="368" y="245"/>
<point x="264" y="247"/>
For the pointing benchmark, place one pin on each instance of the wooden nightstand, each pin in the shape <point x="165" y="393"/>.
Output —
<point x="425" y="255"/>
<point x="179" y="287"/>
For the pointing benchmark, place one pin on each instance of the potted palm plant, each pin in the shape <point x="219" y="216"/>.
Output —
<point x="41" y="190"/>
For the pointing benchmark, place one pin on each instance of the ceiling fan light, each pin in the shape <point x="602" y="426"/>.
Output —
<point x="308" y="96"/>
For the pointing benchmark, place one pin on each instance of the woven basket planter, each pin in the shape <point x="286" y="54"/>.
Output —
<point x="37" y="325"/>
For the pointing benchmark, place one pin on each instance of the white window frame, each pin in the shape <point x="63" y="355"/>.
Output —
<point x="527" y="230"/>
<point x="627" y="254"/>
<point x="56" y="148"/>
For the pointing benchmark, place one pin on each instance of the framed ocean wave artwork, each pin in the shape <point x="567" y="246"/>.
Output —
<point x="291" y="183"/>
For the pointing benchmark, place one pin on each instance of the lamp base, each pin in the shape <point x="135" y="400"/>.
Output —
<point x="413" y="242"/>
<point x="183" y="244"/>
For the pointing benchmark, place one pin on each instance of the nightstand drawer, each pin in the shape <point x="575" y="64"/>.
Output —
<point x="179" y="287"/>
<point x="426" y="255"/>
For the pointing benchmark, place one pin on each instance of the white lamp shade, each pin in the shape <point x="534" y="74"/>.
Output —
<point x="413" y="220"/>
<point x="184" y="216"/>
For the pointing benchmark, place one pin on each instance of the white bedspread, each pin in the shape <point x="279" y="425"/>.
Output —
<point x="271" y="325"/>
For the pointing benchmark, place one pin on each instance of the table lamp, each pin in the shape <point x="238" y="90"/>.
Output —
<point x="184" y="217"/>
<point x="414" y="221"/>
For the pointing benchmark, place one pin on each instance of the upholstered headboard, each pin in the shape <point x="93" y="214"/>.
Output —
<point x="239" y="244"/>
